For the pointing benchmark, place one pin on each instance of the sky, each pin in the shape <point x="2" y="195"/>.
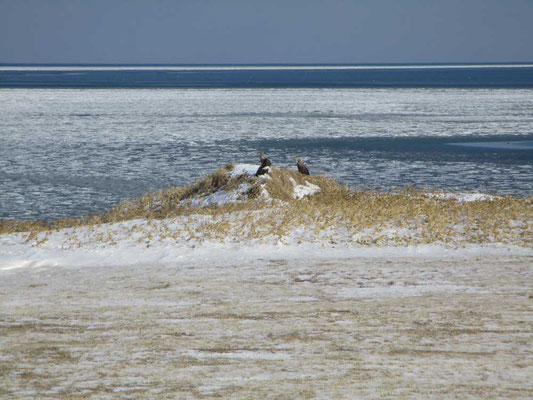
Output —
<point x="265" y="31"/>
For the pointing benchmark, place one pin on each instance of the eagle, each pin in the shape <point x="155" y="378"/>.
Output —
<point x="301" y="167"/>
<point x="265" y="165"/>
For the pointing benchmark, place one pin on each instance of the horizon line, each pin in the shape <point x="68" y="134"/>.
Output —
<point x="221" y="66"/>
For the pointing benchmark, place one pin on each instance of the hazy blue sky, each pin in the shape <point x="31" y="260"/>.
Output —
<point x="265" y="31"/>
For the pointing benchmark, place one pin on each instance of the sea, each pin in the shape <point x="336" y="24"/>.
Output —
<point x="78" y="139"/>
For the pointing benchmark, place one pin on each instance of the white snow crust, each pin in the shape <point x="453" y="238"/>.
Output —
<point x="300" y="191"/>
<point x="218" y="198"/>
<point x="59" y="249"/>
<point x="244" y="169"/>
<point x="462" y="197"/>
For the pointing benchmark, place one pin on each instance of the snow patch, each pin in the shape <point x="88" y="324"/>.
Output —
<point x="250" y="355"/>
<point x="218" y="198"/>
<point x="401" y="291"/>
<point x="244" y="169"/>
<point x="462" y="197"/>
<point x="300" y="191"/>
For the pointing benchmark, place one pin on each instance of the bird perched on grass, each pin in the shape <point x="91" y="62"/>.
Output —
<point x="301" y="167"/>
<point x="265" y="165"/>
<point x="264" y="160"/>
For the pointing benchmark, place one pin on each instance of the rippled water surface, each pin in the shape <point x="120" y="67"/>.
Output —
<point x="66" y="152"/>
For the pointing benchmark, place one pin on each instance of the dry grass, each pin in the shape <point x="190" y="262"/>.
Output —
<point x="280" y="186"/>
<point x="367" y="217"/>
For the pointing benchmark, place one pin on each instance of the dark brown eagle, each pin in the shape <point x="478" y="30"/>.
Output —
<point x="265" y="165"/>
<point x="301" y="167"/>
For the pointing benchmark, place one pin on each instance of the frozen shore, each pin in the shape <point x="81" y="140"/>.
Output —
<point x="270" y="323"/>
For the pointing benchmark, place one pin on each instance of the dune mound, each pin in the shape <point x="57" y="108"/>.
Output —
<point x="232" y="204"/>
<point x="233" y="184"/>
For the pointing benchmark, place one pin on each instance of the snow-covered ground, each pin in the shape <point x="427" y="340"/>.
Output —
<point x="78" y="248"/>
<point x="268" y="322"/>
<point x="156" y="309"/>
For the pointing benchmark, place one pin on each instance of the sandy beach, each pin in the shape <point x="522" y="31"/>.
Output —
<point x="211" y="325"/>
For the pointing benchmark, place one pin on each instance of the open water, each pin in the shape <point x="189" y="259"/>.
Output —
<point x="67" y="152"/>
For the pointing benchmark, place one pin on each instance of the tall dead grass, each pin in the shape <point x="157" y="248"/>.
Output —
<point x="367" y="217"/>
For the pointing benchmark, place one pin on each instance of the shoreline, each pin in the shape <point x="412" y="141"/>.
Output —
<point x="283" y="212"/>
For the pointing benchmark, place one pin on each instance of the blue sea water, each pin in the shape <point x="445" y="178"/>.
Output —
<point x="260" y="76"/>
<point x="70" y="151"/>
